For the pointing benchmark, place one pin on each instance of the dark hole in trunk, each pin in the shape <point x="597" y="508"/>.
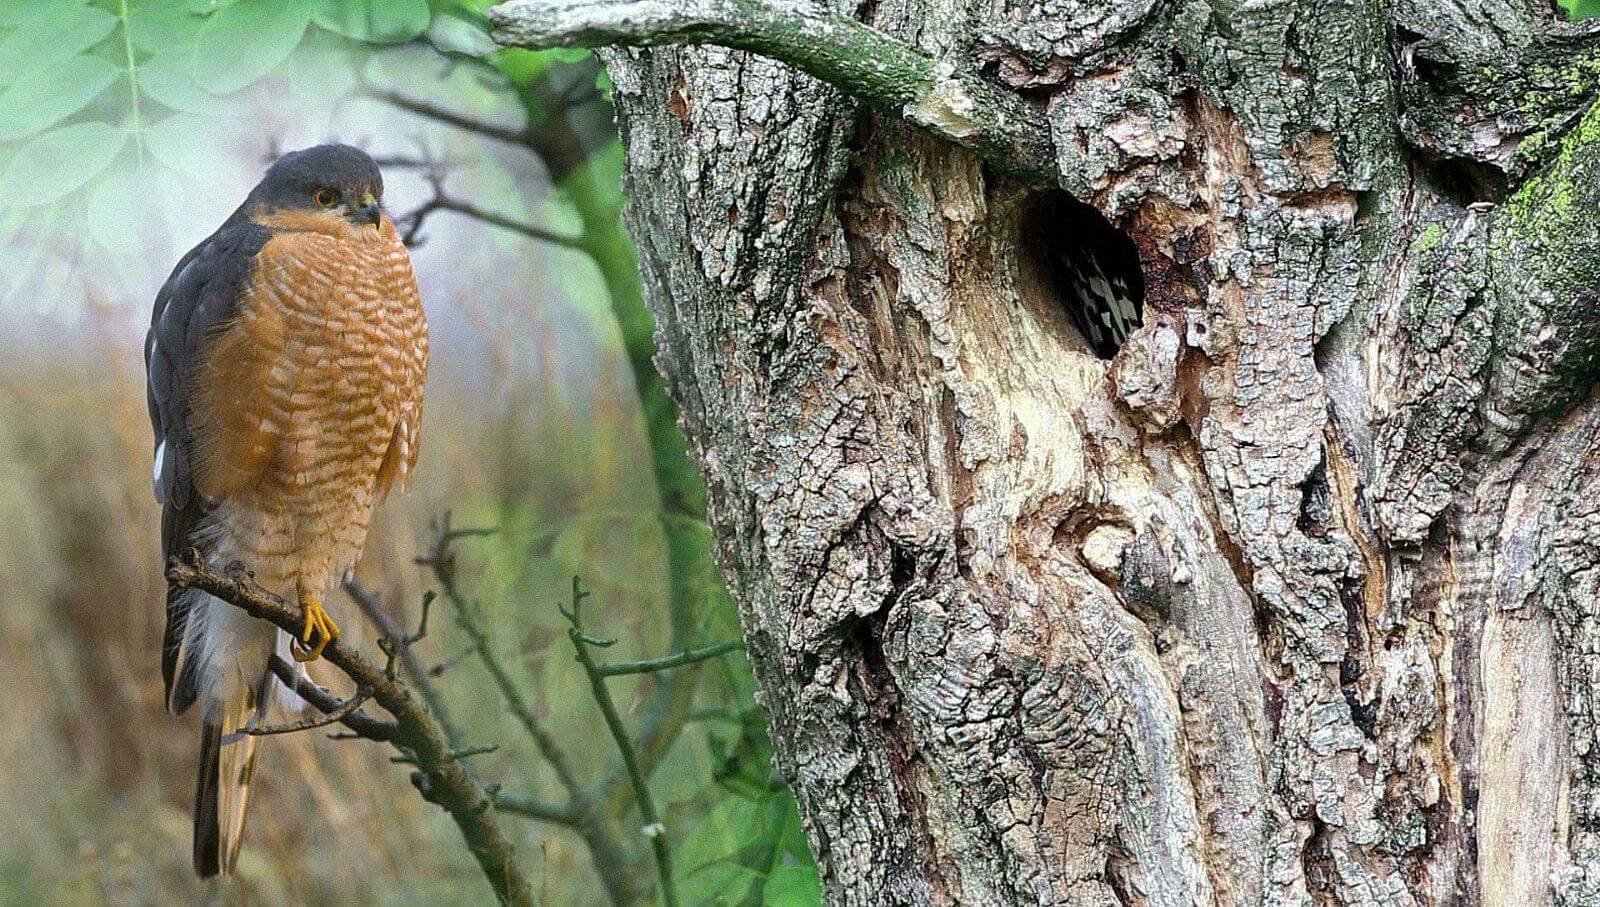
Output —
<point x="1463" y="182"/>
<point x="1090" y="267"/>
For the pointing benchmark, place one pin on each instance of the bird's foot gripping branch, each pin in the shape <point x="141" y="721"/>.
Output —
<point x="440" y="769"/>
<point x="412" y="730"/>
<point x="426" y="736"/>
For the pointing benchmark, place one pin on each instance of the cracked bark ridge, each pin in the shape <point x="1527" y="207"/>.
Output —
<point x="1289" y="604"/>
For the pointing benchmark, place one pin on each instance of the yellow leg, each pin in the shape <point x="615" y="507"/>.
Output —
<point x="318" y="631"/>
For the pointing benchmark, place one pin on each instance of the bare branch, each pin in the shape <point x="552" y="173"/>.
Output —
<point x="451" y="661"/>
<point x="448" y="782"/>
<point x="360" y="723"/>
<point x="436" y="172"/>
<point x="419" y="675"/>
<point x="466" y="752"/>
<point x="509" y="134"/>
<point x="331" y="716"/>
<point x="451" y="533"/>
<point x="444" y="202"/>
<point x="653" y="828"/>
<point x="880" y="70"/>
<point x="441" y="560"/>
<point x="408" y="162"/>
<point x="530" y="808"/>
<point x="650" y="666"/>
<point x="583" y="812"/>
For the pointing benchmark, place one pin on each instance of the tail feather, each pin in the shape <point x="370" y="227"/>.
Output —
<point x="185" y="621"/>
<point x="222" y="788"/>
<point x="207" y="829"/>
<point x="221" y="661"/>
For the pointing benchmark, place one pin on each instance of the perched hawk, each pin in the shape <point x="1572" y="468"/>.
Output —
<point x="285" y="364"/>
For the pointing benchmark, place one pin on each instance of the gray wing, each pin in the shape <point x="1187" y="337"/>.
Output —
<point x="198" y="299"/>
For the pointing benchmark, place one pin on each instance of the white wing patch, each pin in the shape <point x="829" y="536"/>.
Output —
<point x="155" y="474"/>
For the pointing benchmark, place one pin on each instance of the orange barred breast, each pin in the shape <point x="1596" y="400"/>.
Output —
<point x="308" y="406"/>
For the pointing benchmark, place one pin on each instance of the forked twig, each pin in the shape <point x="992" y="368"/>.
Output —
<point x="653" y="828"/>
<point x="336" y="715"/>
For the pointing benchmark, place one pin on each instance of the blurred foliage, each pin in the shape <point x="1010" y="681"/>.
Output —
<point x="750" y="849"/>
<point x="110" y="105"/>
<point x="84" y="82"/>
<point x="88" y="84"/>
<point x="1581" y="9"/>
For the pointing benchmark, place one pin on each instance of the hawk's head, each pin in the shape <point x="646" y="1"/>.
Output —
<point x="336" y="179"/>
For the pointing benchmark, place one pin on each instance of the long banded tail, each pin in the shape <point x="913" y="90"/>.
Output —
<point x="222" y="788"/>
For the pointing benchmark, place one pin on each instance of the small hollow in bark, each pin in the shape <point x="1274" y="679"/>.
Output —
<point x="1088" y="267"/>
<point x="1462" y="181"/>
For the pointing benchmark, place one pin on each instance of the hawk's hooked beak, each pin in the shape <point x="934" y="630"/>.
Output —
<point x="370" y="211"/>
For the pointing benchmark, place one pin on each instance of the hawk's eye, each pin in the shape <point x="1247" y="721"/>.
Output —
<point x="326" y="198"/>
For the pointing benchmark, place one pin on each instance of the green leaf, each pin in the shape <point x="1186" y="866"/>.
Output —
<point x="456" y="35"/>
<point x="164" y="26"/>
<point x="325" y="66"/>
<point x="723" y="884"/>
<point x="116" y="209"/>
<point x="374" y="21"/>
<point x="522" y="66"/>
<point x="44" y="97"/>
<point x="52" y="34"/>
<point x="182" y="143"/>
<point x="725" y="832"/>
<point x="745" y="840"/>
<point x="58" y="162"/>
<point x="1584" y="9"/>
<point x="133" y="211"/>
<point x="168" y="79"/>
<point x="793" y="885"/>
<point x="16" y="12"/>
<point x="243" y="42"/>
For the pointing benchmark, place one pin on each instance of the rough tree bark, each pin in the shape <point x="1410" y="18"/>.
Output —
<point x="1292" y="601"/>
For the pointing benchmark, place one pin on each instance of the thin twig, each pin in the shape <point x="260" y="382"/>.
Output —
<point x="651" y="665"/>
<point x="459" y="120"/>
<point x="653" y="827"/>
<point x="361" y="724"/>
<point x="450" y="203"/>
<point x="715" y="715"/>
<point x="441" y="560"/>
<point x="332" y="716"/>
<point x="407" y="162"/>
<point x="415" y="671"/>
<point x="451" y="661"/>
<point x="436" y="172"/>
<point x="583" y="812"/>
<point x="531" y="808"/>
<point x="464" y="753"/>
<point x="422" y="623"/>
<point x="442" y="777"/>
<point x="452" y="533"/>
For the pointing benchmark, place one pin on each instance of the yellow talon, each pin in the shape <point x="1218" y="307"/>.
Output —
<point x="319" y="630"/>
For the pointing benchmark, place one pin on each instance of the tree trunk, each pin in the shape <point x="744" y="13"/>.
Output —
<point x="1292" y="600"/>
